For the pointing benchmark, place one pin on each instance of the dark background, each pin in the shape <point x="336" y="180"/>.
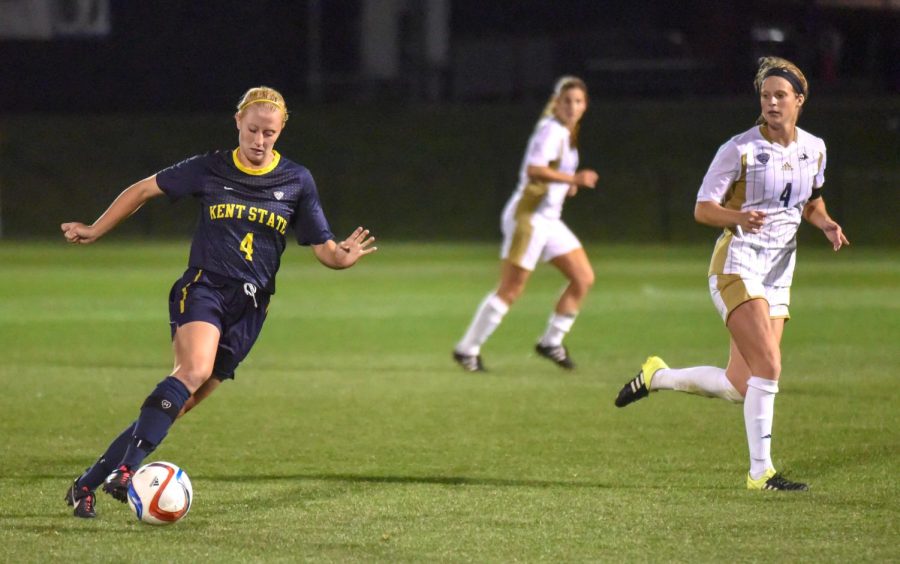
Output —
<point x="195" y="55"/>
<point x="433" y="152"/>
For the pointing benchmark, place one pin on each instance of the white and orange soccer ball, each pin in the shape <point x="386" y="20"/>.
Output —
<point x="160" y="493"/>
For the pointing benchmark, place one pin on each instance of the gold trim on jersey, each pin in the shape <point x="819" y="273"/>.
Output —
<point x="764" y="131"/>
<point x="276" y="158"/>
<point x="185" y="289"/>
<point x="720" y="253"/>
<point x="531" y="198"/>
<point x="737" y="193"/>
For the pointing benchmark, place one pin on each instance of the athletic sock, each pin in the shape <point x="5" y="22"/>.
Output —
<point x="759" y="412"/>
<point x="487" y="317"/>
<point x="95" y="475"/>
<point x="557" y="326"/>
<point x="157" y="414"/>
<point x="137" y="451"/>
<point x="707" y="381"/>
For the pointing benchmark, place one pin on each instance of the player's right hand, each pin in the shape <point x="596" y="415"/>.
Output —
<point x="78" y="233"/>
<point x="752" y="221"/>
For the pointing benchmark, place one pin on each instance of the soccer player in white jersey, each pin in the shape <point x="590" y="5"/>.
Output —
<point x="533" y="230"/>
<point x="758" y="187"/>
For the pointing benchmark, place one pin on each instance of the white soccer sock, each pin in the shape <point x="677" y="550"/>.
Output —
<point x="557" y="327"/>
<point x="707" y="381"/>
<point x="759" y="411"/>
<point x="487" y="317"/>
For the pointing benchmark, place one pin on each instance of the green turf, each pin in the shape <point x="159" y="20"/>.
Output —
<point x="350" y="436"/>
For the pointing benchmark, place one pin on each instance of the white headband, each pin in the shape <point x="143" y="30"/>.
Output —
<point x="557" y="90"/>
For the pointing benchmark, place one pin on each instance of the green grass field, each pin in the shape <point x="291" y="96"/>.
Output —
<point x="349" y="435"/>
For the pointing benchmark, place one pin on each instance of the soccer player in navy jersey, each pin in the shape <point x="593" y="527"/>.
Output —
<point x="248" y="198"/>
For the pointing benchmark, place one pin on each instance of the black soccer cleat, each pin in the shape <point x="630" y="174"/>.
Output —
<point x="469" y="362"/>
<point x="116" y="484"/>
<point x="639" y="386"/>
<point x="632" y="391"/>
<point x="558" y="354"/>
<point x="82" y="500"/>
<point x="773" y="480"/>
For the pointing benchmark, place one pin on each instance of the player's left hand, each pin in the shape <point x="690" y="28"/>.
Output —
<point x="354" y="247"/>
<point x="586" y="178"/>
<point x="573" y="190"/>
<point x="78" y="233"/>
<point x="835" y="234"/>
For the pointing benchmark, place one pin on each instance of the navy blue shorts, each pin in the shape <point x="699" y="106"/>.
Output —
<point x="237" y="308"/>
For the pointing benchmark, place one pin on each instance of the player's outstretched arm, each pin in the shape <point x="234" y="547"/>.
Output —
<point x="129" y="201"/>
<point x="815" y="213"/>
<point x="345" y="253"/>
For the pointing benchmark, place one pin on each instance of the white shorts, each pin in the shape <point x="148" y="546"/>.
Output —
<point x="730" y="290"/>
<point x="536" y="238"/>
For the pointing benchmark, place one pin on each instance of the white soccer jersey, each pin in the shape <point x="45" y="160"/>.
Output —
<point x="550" y="146"/>
<point x="750" y="172"/>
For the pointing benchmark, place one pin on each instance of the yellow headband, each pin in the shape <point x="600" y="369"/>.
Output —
<point x="273" y="102"/>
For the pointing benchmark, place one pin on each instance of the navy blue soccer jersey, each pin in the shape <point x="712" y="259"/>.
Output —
<point x="245" y="213"/>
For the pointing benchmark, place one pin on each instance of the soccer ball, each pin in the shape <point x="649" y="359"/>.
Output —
<point x="160" y="493"/>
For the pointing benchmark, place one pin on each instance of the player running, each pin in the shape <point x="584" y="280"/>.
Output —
<point x="533" y="230"/>
<point x="248" y="198"/>
<point x="758" y="187"/>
